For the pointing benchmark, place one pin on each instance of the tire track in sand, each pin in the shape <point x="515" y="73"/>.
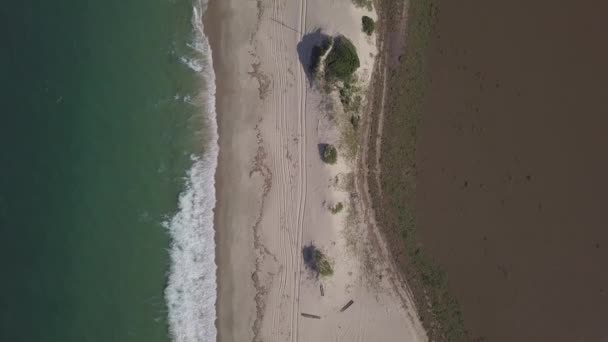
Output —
<point x="303" y="174"/>
<point x="284" y="226"/>
<point x="286" y="217"/>
<point x="280" y="128"/>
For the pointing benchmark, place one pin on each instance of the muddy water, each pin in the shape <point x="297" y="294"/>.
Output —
<point x="513" y="166"/>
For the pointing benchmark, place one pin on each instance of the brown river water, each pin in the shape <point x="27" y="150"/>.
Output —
<point x="513" y="166"/>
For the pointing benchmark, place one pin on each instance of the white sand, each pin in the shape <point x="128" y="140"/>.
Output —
<point x="274" y="191"/>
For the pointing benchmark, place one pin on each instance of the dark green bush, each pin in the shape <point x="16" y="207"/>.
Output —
<point x="342" y="60"/>
<point x="368" y="25"/>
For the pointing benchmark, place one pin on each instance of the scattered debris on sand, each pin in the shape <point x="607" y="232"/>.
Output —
<point x="310" y="316"/>
<point x="350" y="302"/>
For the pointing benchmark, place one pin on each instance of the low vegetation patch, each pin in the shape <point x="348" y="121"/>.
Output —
<point x="352" y="102"/>
<point x="368" y="25"/>
<point x="349" y="97"/>
<point x="349" y="138"/>
<point x="316" y="261"/>
<point x="329" y="154"/>
<point x="322" y="264"/>
<point x="354" y="121"/>
<point x="336" y="208"/>
<point x="364" y="3"/>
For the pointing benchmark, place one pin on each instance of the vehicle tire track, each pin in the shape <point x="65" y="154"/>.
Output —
<point x="303" y="173"/>
<point x="281" y="128"/>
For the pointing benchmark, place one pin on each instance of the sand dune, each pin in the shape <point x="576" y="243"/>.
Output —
<point x="274" y="191"/>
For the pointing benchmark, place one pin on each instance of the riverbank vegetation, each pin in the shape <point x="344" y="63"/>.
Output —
<point x="395" y="196"/>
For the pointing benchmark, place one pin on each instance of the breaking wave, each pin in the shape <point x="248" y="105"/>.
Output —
<point x="192" y="288"/>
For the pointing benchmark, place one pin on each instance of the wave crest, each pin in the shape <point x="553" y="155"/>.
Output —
<point x="192" y="288"/>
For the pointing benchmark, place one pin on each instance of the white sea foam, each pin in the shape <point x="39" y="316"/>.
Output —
<point x="192" y="63"/>
<point x="191" y="288"/>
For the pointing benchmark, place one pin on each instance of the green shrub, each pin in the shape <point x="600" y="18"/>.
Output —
<point x="342" y="60"/>
<point x="316" y="261"/>
<point x="368" y="25"/>
<point x="336" y="208"/>
<point x="329" y="154"/>
<point x="322" y="265"/>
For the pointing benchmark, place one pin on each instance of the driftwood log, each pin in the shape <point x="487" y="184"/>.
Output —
<point x="350" y="302"/>
<point x="310" y="316"/>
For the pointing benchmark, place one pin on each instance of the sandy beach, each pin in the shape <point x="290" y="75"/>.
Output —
<point x="275" y="193"/>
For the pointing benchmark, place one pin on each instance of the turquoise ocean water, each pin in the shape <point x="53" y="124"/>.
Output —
<point x="107" y="158"/>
